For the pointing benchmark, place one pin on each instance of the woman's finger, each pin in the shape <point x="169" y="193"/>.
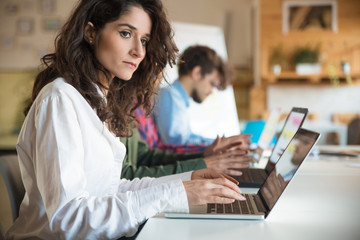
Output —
<point x="223" y="182"/>
<point x="220" y="200"/>
<point x="227" y="193"/>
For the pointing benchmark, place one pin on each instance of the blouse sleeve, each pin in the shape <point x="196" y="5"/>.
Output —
<point x="145" y="182"/>
<point x="73" y="211"/>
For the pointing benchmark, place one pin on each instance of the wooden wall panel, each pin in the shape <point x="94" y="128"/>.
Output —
<point x="335" y="47"/>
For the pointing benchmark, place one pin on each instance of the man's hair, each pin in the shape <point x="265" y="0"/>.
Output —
<point x="208" y="60"/>
<point x="74" y="59"/>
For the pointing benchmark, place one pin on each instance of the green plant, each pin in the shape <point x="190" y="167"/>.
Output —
<point x="277" y="56"/>
<point x="306" y="54"/>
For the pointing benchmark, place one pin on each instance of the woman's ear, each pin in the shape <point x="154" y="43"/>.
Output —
<point x="196" y="73"/>
<point x="89" y="33"/>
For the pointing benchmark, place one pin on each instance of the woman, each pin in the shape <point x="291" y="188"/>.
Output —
<point x="69" y="152"/>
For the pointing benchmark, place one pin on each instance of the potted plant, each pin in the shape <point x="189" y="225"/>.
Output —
<point x="277" y="59"/>
<point x="306" y="60"/>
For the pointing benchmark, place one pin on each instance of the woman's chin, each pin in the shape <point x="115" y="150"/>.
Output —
<point x="123" y="78"/>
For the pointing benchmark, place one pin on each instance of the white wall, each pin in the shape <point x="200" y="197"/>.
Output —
<point x="23" y="51"/>
<point x="20" y="49"/>
<point x="233" y="16"/>
<point x="322" y="100"/>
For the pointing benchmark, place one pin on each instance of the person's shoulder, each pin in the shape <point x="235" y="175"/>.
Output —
<point x="169" y="91"/>
<point x="59" y="85"/>
<point x="165" y="89"/>
<point x="58" y="88"/>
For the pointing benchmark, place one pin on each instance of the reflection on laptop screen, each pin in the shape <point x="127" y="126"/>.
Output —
<point x="289" y="162"/>
<point x="292" y="124"/>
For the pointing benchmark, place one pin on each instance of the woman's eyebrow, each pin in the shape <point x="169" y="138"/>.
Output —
<point x="131" y="27"/>
<point x="127" y="25"/>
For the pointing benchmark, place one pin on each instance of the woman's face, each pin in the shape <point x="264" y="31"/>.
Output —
<point x="122" y="44"/>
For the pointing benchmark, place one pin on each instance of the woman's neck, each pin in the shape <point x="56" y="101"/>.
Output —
<point x="104" y="84"/>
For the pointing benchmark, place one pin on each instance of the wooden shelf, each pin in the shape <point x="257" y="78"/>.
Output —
<point x="321" y="79"/>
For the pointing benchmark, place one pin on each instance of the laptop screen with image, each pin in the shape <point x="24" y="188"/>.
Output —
<point x="270" y="129"/>
<point x="289" y="162"/>
<point x="292" y="124"/>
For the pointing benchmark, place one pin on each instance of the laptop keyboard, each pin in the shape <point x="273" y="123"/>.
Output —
<point x="237" y="207"/>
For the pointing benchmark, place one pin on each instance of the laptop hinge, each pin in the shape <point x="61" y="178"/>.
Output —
<point x="260" y="201"/>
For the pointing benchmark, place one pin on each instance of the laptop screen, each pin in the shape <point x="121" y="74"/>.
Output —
<point x="292" y="124"/>
<point x="295" y="153"/>
<point x="270" y="128"/>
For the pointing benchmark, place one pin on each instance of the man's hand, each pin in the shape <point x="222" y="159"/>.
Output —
<point x="229" y="161"/>
<point x="223" y="144"/>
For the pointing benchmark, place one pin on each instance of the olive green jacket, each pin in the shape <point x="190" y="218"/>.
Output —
<point x="141" y="161"/>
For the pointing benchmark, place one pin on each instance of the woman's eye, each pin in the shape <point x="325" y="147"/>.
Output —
<point x="144" y="42"/>
<point x="125" y="34"/>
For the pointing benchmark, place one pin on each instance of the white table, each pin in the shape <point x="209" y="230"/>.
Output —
<point x="322" y="202"/>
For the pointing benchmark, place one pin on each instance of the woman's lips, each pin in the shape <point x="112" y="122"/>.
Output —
<point x="132" y="65"/>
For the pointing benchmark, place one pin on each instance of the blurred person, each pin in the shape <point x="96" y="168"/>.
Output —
<point x="200" y="69"/>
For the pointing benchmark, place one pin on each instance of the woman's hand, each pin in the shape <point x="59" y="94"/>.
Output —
<point x="229" y="162"/>
<point x="215" y="190"/>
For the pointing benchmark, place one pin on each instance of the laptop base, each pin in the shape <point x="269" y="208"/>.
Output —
<point x="215" y="216"/>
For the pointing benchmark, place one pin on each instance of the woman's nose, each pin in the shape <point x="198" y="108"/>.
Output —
<point x="138" y="49"/>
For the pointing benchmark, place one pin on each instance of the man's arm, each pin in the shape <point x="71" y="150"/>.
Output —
<point x="172" y="120"/>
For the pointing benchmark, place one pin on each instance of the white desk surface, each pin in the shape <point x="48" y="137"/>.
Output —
<point x="322" y="202"/>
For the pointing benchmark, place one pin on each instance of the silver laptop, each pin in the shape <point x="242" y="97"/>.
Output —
<point x="255" y="177"/>
<point x="259" y="205"/>
<point x="267" y="135"/>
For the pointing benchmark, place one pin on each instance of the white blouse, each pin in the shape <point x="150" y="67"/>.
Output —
<point x="71" y="164"/>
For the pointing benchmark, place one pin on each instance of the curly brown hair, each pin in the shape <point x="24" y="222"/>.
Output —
<point x="75" y="61"/>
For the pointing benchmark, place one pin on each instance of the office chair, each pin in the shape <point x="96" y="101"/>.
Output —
<point x="10" y="171"/>
<point x="354" y="132"/>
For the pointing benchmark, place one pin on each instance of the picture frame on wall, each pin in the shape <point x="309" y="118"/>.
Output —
<point x="25" y="26"/>
<point x="309" y="16"/>
<point x="11" y="8"/>
<point x="7" y="42"/>
<point x="51" y="24"/>
<point x="47" y="6"/>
